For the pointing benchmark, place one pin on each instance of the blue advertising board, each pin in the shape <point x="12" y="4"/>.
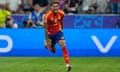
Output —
<point x="80" y="42"/>
<point x="82" y="21"/>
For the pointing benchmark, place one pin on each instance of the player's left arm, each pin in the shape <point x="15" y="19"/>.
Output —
<point x="62" y="18"/>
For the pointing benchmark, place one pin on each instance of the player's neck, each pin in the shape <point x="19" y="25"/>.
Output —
<point x="55" y="12"/>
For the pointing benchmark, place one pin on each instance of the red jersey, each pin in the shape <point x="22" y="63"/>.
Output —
<point x="54" y="21"/>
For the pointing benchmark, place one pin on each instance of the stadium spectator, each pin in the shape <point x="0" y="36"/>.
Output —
<point x="62" y="4"/>
<point x="102" y="6"/>
<point x="71" y="7"/>
<point x="89" y="6"/>
<point x="42" y="3"/>
<point x="117" y="24"/>
<point x="10" y="23"/>
<point x="80" y="6"/>
<point x="115" y="6"/>
<point x="14" y="5"/>
<point x="3" y="14"/>
<point x="27" y="6"/>
<point x="3" y="3"/>
<point x="28" y="24"/>
<point x="37" y="15"/>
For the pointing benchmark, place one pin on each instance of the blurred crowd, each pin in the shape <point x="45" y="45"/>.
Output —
<point x="69" y="6"/>
<point x="35" y="9"/>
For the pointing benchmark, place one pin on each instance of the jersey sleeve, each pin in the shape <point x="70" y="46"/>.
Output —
<point x="62" y="14"/>
<point x="45" y="19"/>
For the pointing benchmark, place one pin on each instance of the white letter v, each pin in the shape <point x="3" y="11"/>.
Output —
<point x="108" y="45"/>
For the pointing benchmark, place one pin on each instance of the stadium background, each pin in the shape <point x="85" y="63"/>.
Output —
<point x="30" y="42"/>
<point x="92" y="40"/>
<point x="28" y="54"/>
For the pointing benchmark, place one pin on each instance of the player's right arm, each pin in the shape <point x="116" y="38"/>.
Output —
<point x="46" y="31"/>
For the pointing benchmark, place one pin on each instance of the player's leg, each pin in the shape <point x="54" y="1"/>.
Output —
<point x="61" y="42"/>
<point x="50" y="44"/>
<point x="53" y="47"/>
<point x="65" y="54"/>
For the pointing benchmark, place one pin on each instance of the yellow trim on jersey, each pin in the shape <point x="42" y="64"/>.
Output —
<point x="47" y="14"/>
<point x="62" y="12"/>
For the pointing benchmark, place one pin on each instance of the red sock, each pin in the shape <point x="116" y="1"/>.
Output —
<point x="66" y="55"/>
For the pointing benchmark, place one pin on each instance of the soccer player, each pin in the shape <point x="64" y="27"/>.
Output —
<point x="53" y="30"/>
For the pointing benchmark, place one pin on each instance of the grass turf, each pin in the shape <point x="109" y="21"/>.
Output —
<point x="56" y="64"/>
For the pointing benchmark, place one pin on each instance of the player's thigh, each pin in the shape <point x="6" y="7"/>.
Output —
<point x="62" y="43"/>
<point x="60" y="39"/>
<point x="53" y="42"/>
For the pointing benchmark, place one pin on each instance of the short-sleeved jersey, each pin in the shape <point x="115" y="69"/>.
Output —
<point x="54" y="21"/>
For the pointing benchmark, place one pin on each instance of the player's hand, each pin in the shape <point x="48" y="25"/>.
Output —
<point x="48" y="43"/>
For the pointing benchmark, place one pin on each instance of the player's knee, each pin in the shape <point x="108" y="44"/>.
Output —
<point x="53" y="50"/>
<point x="62" y="45"/>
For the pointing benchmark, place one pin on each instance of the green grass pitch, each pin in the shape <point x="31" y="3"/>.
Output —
<point x="56" y="64"/>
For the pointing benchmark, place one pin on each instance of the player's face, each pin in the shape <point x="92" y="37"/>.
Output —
<point x="54" y="7"/>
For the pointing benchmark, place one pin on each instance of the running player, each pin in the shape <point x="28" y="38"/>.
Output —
<point x="53" y="23"/>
